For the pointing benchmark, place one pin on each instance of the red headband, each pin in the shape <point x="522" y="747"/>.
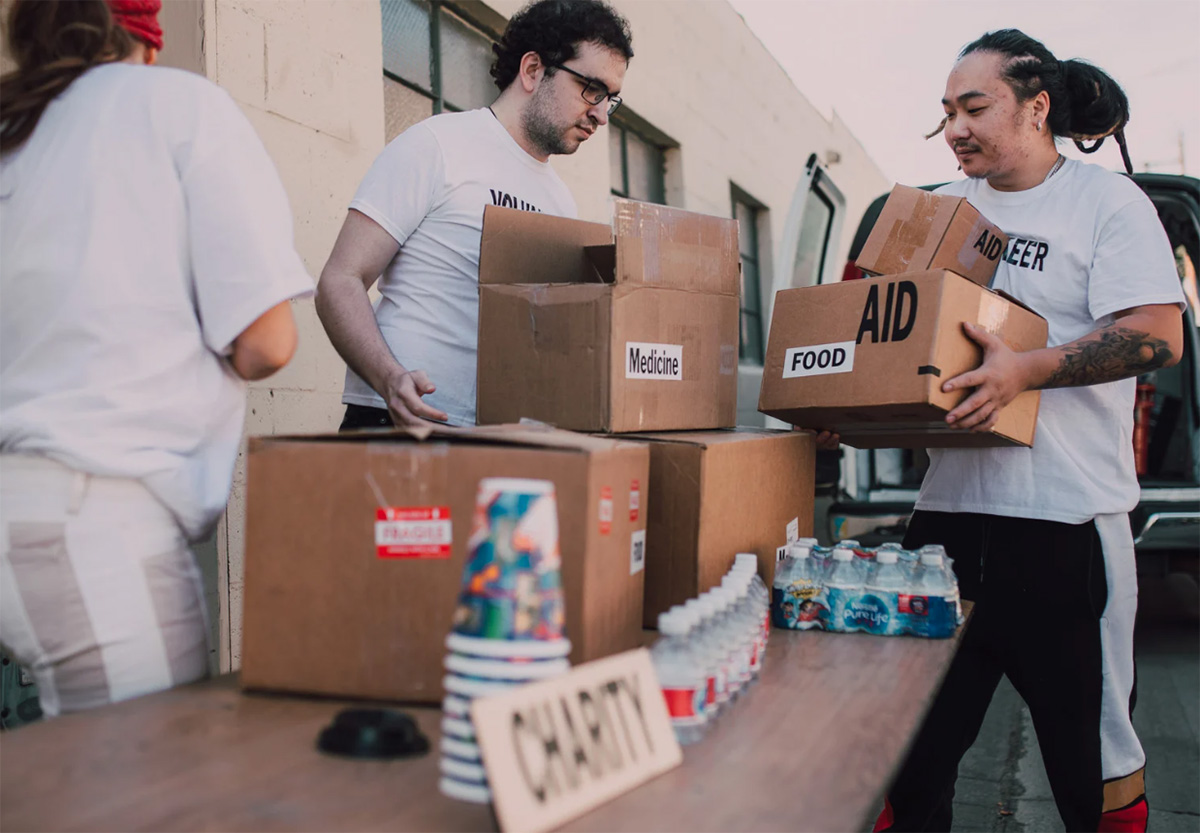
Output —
<point x="140" y="19"/>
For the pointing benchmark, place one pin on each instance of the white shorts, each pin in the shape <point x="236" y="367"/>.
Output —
<point x="100" y="597"/>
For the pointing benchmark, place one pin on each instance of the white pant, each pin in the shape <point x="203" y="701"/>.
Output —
<point x="100" y="597"/>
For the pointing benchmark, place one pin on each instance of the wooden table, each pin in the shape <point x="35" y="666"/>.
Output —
<point x="811" y="746"/>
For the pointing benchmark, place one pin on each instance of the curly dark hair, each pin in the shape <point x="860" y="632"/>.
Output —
<point x="553" y="29"/>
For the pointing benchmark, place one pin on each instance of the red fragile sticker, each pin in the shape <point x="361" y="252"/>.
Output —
<point x="412" y="531"/>
<point x="635" y="500"/>
<point x="606" y="510"/>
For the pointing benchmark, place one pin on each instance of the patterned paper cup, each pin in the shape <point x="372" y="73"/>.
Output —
<point x="471" y="687"/>
<point x="464" y="750"/>
<point x="500" y="670"/>
<point x="458" y="727"/>
<point x="511" y="649"/>
<point x="463" y="771"/>
<point x="511" y="587"/>
<point x="456" y="706"/>
<point x="464" y="791"/>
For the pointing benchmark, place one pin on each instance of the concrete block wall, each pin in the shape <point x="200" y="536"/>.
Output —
<point x="309" y="76"/>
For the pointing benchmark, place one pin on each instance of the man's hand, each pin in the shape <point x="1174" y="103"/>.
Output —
<point x="403" y="394"/>
<point x="826" y="440"/>
<point x="1002" y="376"/>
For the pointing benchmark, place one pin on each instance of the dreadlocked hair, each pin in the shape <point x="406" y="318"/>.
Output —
<point x="1086" y="104"/>
<point x="53" y="43"/>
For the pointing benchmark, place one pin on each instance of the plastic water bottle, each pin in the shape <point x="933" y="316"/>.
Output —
<point x="878" y="609"/>
<point x="760" y="598"/>
<point x="680" y="675"/>
<point x="951" y="578"/>
<point x="731" y="643"/>
<point x="702" y="641"/>
<point x="843" y="583"/>
<point x="798" y="606"/>
<point x="780" y="586"/>
<point x="714" y="610"/>
<point x="931" y="610"/>
<point x="745" y="625"/>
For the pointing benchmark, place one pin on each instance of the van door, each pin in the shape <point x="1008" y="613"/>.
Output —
<point x="804" y="258"/>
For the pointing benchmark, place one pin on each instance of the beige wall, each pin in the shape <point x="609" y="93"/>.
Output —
<point x="308" y="74"/>
<point x="699" y="75"/>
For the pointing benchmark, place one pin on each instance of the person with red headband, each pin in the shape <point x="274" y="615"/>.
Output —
<point x="147" y="271"/>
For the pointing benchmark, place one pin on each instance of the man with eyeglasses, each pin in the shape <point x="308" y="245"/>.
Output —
<point x="417" y="218"/>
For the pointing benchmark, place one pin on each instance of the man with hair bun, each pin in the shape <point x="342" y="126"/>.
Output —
<point x="1041" y="536"/>
<point x="417" y="218"/>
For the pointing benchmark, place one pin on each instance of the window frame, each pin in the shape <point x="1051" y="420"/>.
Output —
<point x="435" y="92"/>
<point x="659" y="146"/>
<point x="757" y="210"/>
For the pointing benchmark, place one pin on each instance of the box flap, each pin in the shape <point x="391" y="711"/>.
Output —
<point x="1014" y="300"/>
<point x="531" y="247"/>
<point x="704" y="439"/>
<point x="530" y="435"/>
<point x="672" y="248"/>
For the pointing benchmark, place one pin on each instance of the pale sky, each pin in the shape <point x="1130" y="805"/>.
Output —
<point x="882" y="66"/>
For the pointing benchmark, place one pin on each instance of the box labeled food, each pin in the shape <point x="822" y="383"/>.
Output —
<point x="868" y="358"/>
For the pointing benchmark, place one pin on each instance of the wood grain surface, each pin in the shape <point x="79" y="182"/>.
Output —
<point x="811" y="746"/>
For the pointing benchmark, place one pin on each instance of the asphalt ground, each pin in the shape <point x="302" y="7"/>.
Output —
<point x="1002" y="784"/>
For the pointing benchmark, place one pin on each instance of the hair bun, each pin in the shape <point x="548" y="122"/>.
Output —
<point x="1098" y="106"/>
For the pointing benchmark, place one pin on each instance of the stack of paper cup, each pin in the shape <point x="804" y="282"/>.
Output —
<point x="509" y="625"/>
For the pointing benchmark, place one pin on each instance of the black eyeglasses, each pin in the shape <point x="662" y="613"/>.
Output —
<point x="593" y="91"/>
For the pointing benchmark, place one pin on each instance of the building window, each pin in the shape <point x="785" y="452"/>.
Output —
<point x="434" y="59"/>
<point x="749" y="214"/>
<point x="638" y="165"/>
<point x="815" y="229"/>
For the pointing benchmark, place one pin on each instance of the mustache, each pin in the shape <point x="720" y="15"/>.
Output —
<point x="960" y="146"/>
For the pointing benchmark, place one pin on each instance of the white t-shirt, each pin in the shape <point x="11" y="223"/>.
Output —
<point x="1083" y="245"/>
<point x="428" y="189"/>
<point x="143" y="228"/>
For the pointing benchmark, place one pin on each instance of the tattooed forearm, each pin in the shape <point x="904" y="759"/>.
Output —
<point x="1118" y="353"/>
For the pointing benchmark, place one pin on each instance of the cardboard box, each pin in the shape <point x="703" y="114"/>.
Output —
<point x="918" y="230"/>
<point x="868" y="359"/>
<point x="714" y="494"/>
<point x="592" y="328"/>
<point x="327" y="610"/>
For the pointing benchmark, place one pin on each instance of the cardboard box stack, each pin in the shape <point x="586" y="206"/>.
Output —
<point x="634" y="328"/>
<point x="867" y="358"/>
<point x="355" y="543"/>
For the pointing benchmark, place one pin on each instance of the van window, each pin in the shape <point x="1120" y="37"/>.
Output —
<point x="814" y="239"/>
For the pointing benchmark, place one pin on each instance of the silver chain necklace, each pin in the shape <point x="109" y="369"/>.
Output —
<point x="1057" y="164"/>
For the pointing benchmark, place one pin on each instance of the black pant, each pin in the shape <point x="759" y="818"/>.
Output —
<point x="1039" y="590"/>
<point x="364" y="416"/>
